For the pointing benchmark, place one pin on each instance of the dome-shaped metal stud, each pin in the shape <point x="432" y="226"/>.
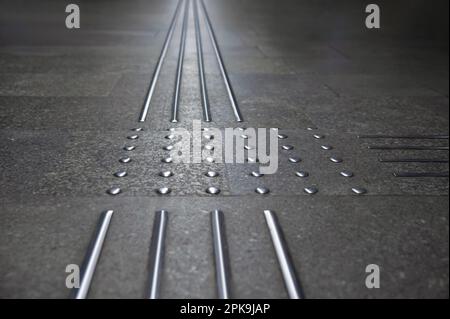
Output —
<point x="133" y="137"/>
<point x="262" y="190"/>
<point x="163" y="190"/>
<point x="310" y="190"/>
<point x="212" y="174"/>
<point x="208" y="136"/>
<point x="294" y="159"/>
<point x="336" y="159"/>
<point x="129" y="148"/>
<point x="247" y="147"/>
<point x="326" y="147"/>
<point x="287" y="147"/>
<point x="210" y="159"/>
<point x="165" y="173"/>
<point x="213" y="190"/>
<point x="114" y="191"/>
<point x="120" y="174"/>
<point x="252" y="160"/>
<point x="346" y="173"/>
<point x="209" y="147"/>
<point x="244" y="136"/>
<point x="318" y="136"/>
<point x="168" y="147"/>
<point x="359" y="190"/>
<point x="167" y="160"/>
<point x="240" y="129"/>
<point x="311" y="128"/>
<point x="125" y="160"/>
<point x="172" y="129"/>
<point x="256" y="174"/>
<point x="282" y="136"/>
<point x="137" y="129"/>
<point x="302" y="174"/>
<point x="169" y="137"/>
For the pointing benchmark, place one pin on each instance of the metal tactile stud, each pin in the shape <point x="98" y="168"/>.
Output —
<point x="208" y="136"/>
<point x="247" y="147"/>
<point x="294" y="159"/>
<point x="163" y="190"/>
<point x="318" y="136"/>
<point x="166" y="173"/>
<point x="114" y="191"/>
<point x="302" y="174"/>
<point x="310" y="190"/>
<point x="310" y="128"/>
<point x="359" y="190"/>
<point x="256" y="174"/>
<point x="168" y="147"/>
<point x="125" y="160"/>
<point x="244" y="136"/>
<point x="326" y="147"/>
<point x="129" y="148"/>
<point x="137" y="129"/>
<point x="287" y="147"/>
<point x="120" y="174"/>
<point x="210" y="159"/>
<point x="262" y="190"/>
<point x="209" y="147"/>
<point x="133" y="137"/>
<point x="212" y="174"/>
<point x="169" y="137"/>
<point x="282" y="136"/>
<point x="213" y="190"/>
<point x="167" y="160"/>
<point x="252" y="160"/>
<point x="346" y="173"/>
<point x="336" y="159"/>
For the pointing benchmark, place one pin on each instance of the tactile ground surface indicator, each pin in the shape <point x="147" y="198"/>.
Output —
<point x="69" y="99"/>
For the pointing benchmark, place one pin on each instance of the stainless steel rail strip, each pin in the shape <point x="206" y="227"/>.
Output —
<point x="420" y="174"/>
<point x="284" y="259"/>
<point x="231" y="96"/>
<point x="220" y="255"/>
<point x="92" y="255"/>
<point x="158" y="67"/>
<point x="418" y="137"/>
<point x="178" y="79"/>
<point x="412" y="160"/>
<point x="408" y="147"/>
<point x="157" y="253"/>
<point x="201" y="69"/>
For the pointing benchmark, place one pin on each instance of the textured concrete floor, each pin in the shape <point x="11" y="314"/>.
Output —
<point x="68" y="99"/>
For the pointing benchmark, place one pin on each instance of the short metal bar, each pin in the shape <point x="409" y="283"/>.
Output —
<point x="418" y="137"/>
<point x="412" y="160"/>
<point x="284" y="259"/>
<point x="179" y="75"/>
<point x="221" y="256"/>
<point x="419" y="174"/>
<point x="408" y="147"/>
<point x="159" y="64"/>
<point x="201" y="69"/>
<point x="231" y="95"/>
<point x="157" y="253"/>
<point x="92" y="255"/>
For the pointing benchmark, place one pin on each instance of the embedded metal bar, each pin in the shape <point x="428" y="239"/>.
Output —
<point x="284" y="259"/>
<point x="158" y="67"/>
<point x="157" y="253"/>
<point x="418" y="137"/>
<point x="92" y="255"/>
<point x="412" y="160"/>
<point x="176" y="94"/>
<point x="408" y="147"/>
<point x="201" y="69"/>
<point x="417" y="174"/>
<point x="220" y="255"/>
<point x="231" y="96"/>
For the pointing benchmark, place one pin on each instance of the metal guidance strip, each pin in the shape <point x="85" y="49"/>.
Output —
<point x="92" y="255"/>
<point x="157" y="253"/>
<point x="419" y="174"/>
<point x="201" y="69"/>
<point x="178" y="79"/>
<point x="418" y="137"/>
<point x="284" y="259"/>
<point x="408" y="147"/>
<point x="412" y="160"/>
<point x="158" y="67"/>
<point x="231" y="96"/>
<point x="221" y="256"/>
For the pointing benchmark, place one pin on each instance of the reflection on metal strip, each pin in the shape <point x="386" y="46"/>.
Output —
<point x="92" y="255"/>
<point x="284" y="259"/>
<point x="221" y="255"/>
<point x="158" y="67"/>
<point x="157" y="253"/>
